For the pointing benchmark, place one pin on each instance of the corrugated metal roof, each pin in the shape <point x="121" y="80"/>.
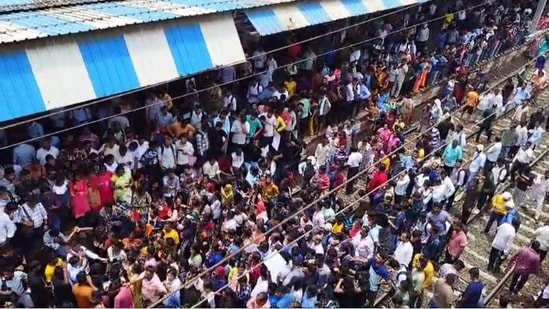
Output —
<point x="62" y="71"/>
<point x="18" y="26"/>
<point x="290" y="16"/>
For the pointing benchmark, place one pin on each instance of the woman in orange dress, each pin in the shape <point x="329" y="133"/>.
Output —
<point x="421" y="80"/>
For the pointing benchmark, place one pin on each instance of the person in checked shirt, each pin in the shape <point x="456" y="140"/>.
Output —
<point x="31" y="219"/>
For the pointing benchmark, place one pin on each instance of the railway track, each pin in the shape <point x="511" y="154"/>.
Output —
<point x="477" y="252"/>
<point x="496" y="78"/>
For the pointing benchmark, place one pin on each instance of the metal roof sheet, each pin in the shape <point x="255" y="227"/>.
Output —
<point x="56" y="21"/>
<point x="62" y="71"/>
<point x="289" y="16"/>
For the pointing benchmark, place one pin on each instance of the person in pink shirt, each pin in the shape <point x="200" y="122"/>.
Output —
<point x="457" y="243"/>
<point x="151" y="288"/>
<point x="124" y="298"/>
<point x="384" y="133"/>
<point x="527" y="262"/>
<point x="104" y="185"/>
<point x="259" y="302"/>
<point x="79" y="191"/>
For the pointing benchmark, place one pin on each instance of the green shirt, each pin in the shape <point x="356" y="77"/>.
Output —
<point x="255" y="125"/>
<point x="508" y="137"/>
<point x="306" y="107"/>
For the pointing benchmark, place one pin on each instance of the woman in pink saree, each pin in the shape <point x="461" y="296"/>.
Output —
<point x="392" y="143"/>
<point x="384" y="133"/>
<point x="80" y="197"/>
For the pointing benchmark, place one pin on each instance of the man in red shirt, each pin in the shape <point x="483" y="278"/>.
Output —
<point x="378" y="181"/>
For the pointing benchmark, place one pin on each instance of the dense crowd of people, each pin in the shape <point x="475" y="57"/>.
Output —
<point x="124" y="215"/>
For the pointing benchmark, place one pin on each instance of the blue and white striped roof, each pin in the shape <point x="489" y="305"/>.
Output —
<point x="27" y="25"/>
<point x="295" y="15"/>
<point x="62" y="71"/>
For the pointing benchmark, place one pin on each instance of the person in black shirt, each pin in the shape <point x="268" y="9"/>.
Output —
<point x="63" y="296"/>
<point x="40" y="294"/>
<point x="416" y="241"/>
<point x="488" y="117"/>
<point x="345" y="294"/>
<point x="216" y="138"/>
<point x="444" y="127"/>
<point x="8" y="257"/>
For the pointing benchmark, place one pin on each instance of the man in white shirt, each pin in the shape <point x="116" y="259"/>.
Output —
<point x="321" y="153"/>
<point x="183" y="151"/>
<point x="259" y="59"/>
<point x="45" y="150"/>
<point x="138" y="151"/>
<point x="492" y="154"/>
<point x="401" y="187"/>
<point x="353" y="162"/>
<point x="229" y="102"/>
<point x="254" y="91"/>
<point x="211" y="169"/>
<point x="449" y="187"/>
<point x="503" y="240"/>
<point x="404" y="251"/>
<point x="422" y="36"/>
<point x="538" y="191"/>
<point x="355" y="56"/>
<point x="167" y="155"/>
<point x="7" y="226"/>
<point x="524" y="156"/>
<point x="237" y="159"/>
<point x="477" y="163"/>
<point x="240" y="129"/>
<point x="541" y="235"/>
<point x="268" y="120"/>
<point x="364" y="250"/>
<point x="32" y="214"/>
<point x="350" y="97"/>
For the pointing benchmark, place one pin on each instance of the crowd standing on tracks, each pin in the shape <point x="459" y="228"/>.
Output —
<point x="195" y="204"/>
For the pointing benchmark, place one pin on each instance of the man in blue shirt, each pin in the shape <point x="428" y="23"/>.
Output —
<point x="452" y="154"/>
<point x="471" y="297"/>
<point x="24" y="154"/>
<point x="378" y="274"/>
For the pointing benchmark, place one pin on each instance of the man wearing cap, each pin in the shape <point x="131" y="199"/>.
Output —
<point x="500" y="205"/>
<point x="477" y="164"/>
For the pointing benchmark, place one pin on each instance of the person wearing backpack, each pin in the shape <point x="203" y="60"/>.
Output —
<point x="167" y="154"/>
<point x="399" y="273"/>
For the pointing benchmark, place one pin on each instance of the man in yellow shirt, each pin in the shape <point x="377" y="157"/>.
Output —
<point x="471" y="102"/>
<point x="291" y="86"/>
<point x="170" y="232"/>
<point x="49" y="270"/>
<point x="422" y="262"/>
<point x="500" y="204"/>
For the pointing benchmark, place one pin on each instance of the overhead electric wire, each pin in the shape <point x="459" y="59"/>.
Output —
<point x="313" y="203"/>
<point x="360" y="199"/>
<point x="250" y="58"/>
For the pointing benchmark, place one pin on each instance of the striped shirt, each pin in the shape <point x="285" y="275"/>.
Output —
<point x="36" y="214"/>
